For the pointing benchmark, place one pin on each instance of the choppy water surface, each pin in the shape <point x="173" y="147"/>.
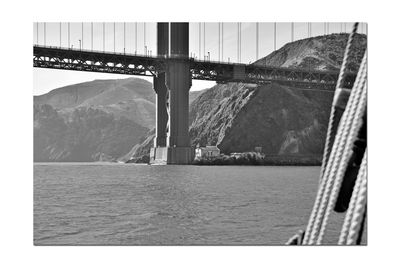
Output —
<point x="126" y="204"/>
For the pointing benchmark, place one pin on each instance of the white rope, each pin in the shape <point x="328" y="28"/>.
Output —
<point x="346" y="134"/>
<point x="350" y="211"/>
<point x="339" y="85"/>
<point x="360" y="205"/>
<point x="342" y="157"/>
<point x="329" y="138"/>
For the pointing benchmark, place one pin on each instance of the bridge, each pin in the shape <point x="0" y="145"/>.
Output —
<point x="172" y="70"/>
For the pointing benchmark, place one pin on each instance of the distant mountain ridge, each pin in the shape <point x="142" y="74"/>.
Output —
<point x="323" y="52"/>
<point x="133" y="98"/>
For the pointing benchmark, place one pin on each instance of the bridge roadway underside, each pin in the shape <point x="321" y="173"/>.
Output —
<point x="221" y="72"/>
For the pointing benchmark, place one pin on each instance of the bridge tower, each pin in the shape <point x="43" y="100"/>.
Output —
<point x="172" y="141"/>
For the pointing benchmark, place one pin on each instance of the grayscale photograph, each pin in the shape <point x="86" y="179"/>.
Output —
<point x="199" y="133"/>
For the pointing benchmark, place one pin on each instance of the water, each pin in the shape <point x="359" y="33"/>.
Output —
<point x="126" y="204"/>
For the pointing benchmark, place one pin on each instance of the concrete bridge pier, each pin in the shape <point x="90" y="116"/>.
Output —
<point x="172" y="88"/>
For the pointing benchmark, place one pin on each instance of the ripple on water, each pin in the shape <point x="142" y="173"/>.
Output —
<point x="165" y="205"/>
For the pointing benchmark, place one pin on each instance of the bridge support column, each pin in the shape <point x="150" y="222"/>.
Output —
<point x="159" y="153"/>
<point x="162" y="114"/>
<point x="174" y="105"/>
<point x="179" y="82"/>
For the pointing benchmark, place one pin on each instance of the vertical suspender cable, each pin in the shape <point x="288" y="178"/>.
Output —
<point x="37" y="33"/>
<point x="344" y="27"/>
<point x="135" y="38"/>
<point x="124" y="36"/>
<point x="274" y="36"/>
<point x="91" y="34"/>
<point x="114" y="37"/>
<point x="69" y="35"/>
<point x="310" y="29"/>
<point x="204" y="39"/>
<point x="240" y="42"/>
<point x="60" y="34"/>
<point x="292" y="31"/>
<point x="327" y="27"/>
<point x="144" y="38"/>
<point x="222" y="41"/>
<point x="44" y="33"/>
<point x="237" y="43"/>
<point x="219" y="41"/>
<point x="257" y="28"/>
<point x="199" y="40"/>
<point x="104" y="36"/>
<point x="82" y="36"/>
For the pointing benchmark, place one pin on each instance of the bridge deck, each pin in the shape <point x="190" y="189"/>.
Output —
<point x="221" y="72"/>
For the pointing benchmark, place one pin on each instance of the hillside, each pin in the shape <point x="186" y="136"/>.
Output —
<point x="323" y="52"/>
<point x="282" y="120"/>
<point x="97" y="120"/>
<point x="89" y="135"/>
<point x="132" y="98"/>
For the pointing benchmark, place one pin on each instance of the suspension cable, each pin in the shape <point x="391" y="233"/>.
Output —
<point x="292" y="32"/>
<point x="144" y="38"/>
<point x="240" y="42"/>
<point x="222" y="37"/>
<point x="204" y="40"/>
<point x="219" y="41"/>
<point x="274" y="36"/>
<point x="91" y="31"/>
<point x="257" y="39"/>
<point x="136" y="37"/>
<point x="60" y="34"/>
<point x="82" y="36"/>
<point x="124" y="37"/>
<point x="237" y="43"/>
<point x="200" y="40"/>
<point x="69" y="36"/>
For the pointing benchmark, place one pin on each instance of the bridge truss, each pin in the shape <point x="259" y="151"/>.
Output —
<point x="221" y="72"/>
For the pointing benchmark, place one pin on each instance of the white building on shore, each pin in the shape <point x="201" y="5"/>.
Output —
<point x="207" y="152"/>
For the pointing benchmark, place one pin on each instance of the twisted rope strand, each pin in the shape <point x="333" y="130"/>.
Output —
<point x="350" y="211"/>
<point x="355" y="119"/>
<point x="360" y="205"/>
<point x="333" y="162"/>
<point x="329" y="139"/>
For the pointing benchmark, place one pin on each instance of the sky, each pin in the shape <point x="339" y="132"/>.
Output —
<point x="56" y="34"/>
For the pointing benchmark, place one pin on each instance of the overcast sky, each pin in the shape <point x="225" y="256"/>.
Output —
<point x="45" y="80"/>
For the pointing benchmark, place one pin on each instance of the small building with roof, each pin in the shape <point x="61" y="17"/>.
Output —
<point x="207" y="152"/>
